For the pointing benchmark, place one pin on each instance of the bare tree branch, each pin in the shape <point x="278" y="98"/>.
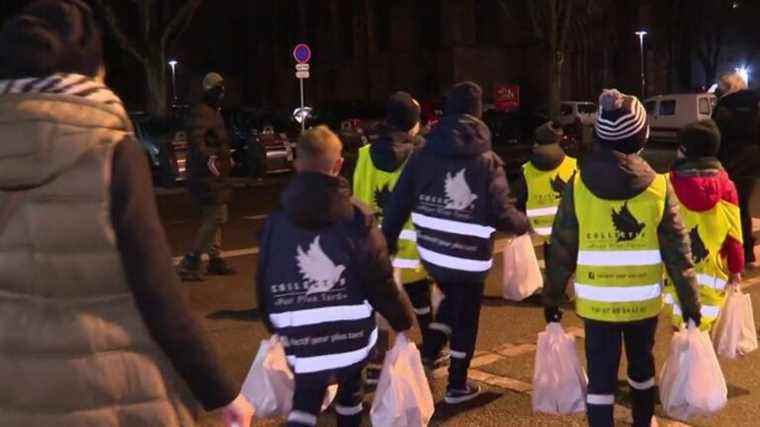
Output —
<point x="118" y="32"/>
<point x="533" y="12"/>
<point x="180" y="22"/>
<point x="568" y="11"/>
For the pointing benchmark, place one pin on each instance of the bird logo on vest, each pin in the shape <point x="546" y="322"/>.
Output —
<point x="318" y="270"/>
<point x="558" y="186"/>
<point x="626" y="225"/>
<point x="698" y="250"/>
<point x="382" y="197"/>
<point x="458" y="194"/>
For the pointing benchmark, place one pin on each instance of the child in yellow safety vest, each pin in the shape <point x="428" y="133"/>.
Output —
<point x="709" y="208"/>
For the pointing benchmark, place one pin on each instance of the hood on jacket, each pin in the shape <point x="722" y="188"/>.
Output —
<point x="391" y="148"/>
<point x="613" y="175"/>
<point x="459" y="136"/>
<point x="314" y="200"/>
<point x="43" y="136"/>
<point x="701" y="183"/>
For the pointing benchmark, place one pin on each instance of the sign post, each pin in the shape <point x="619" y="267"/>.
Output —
<point x="302" y="55"/>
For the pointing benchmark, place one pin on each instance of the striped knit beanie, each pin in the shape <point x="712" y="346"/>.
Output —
<point x="621" y="123"/>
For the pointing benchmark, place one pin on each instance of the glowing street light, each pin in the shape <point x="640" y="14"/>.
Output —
<point x="173" y="64"/>
<point x="743" y="71"/>
<point x="641" y="34"/>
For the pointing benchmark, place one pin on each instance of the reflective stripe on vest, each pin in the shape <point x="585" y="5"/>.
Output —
<point x="619" y="273"/>
<point x="306" y="365"/>
<point x="313" y="316"/>
<point x="373" y="187"/>
<point x="452" y="227"/>
<point x="456" y="263"/>
<point x="544" y="193"/>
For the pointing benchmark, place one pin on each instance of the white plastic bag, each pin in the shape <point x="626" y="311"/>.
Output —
<point x="559" y="381"/>
<point x="521" y="274"/>
<point x="734" y="333"/>
<point x="269" y="384"/>
<point x="692" y="383"/>
<point x="403" y="395"/>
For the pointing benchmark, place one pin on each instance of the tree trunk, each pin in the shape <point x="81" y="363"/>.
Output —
<point x="157" y="85"/>
<point x="555" y="83"/>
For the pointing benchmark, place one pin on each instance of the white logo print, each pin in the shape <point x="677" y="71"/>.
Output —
<point x="317" y="269"/>
<point x="458" y="193"/>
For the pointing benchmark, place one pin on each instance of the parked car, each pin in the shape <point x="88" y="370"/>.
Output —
<point x="570" y="111"/>
<point x="669" y="114"/>
<point x="166" y="145"/>
<point x="257" y="149"/>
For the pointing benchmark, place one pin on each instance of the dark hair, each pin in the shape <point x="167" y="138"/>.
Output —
<point x="48" y="37"/>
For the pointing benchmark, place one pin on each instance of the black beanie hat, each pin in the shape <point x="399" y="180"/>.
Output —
<point x="465" y="98"/>
<point x="548" y="133"/>
<point x="48" y="37"/>
<point x="402" y="111"/>
<point x="700" y="139"/>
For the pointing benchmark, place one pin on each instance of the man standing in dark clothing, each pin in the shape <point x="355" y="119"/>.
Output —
<point x="323" y="271"/>
<point x="209" y="167"/>
<point x="738" y="119"/>
<point x="456" y="192"/>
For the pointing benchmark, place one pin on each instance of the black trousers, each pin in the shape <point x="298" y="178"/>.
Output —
<point x="308" y="397"/>
<point x="457" y="321"/>
<point x="744" y="187"/>
<point x="604" y="342"/>
<point x="419" y="296"/>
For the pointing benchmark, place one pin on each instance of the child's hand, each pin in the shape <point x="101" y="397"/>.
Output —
<point x="735" y="280"/>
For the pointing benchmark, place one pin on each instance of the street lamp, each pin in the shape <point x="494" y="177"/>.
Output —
<point x="173" y="65"/>
<point x="641" y="34"/>
<point x="743" y="71"/>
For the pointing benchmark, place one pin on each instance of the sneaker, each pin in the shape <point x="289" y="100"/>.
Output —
<point x="372" y="375"/>
<point x="189" y="269"/>
<point x="455" y="396"/>
<point x="218" y="267"/>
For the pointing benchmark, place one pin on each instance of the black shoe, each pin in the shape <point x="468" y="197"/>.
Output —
<point x="455" y="396"/>
<point x="218" y="267"/>
<point x="189" y="269"/>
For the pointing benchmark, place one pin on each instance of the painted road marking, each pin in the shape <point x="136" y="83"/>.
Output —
<point x="256" y="217"/>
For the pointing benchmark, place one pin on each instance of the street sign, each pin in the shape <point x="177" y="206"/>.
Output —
<point x="302" y="74"/>
<point x="302" y="53"/>
<point x="302" y="67"/>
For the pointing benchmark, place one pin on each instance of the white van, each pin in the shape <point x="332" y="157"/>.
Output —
<point x="569" y="111"/>
<point x="667" y="115"/>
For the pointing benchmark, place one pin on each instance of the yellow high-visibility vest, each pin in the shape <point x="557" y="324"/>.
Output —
<point x="373" y="187"/>
<point x="545" y="190"/>
<point x="708" y="231"/>
<point x="619" y="274"/>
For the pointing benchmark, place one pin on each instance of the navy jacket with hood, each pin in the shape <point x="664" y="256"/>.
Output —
<point x="323" y="270"/>
<point x="457" y="193"/>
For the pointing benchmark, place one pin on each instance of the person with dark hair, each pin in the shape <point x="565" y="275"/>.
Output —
<point x="618" y="231"/>
<point x="209" y="164"/>
<point x="737" y="115"/>
<point x="544" y="178"/>
<point x="95" y="330"/>
<point x="456" y="192"/>
<point x="323" y="271"/>
<point x="378" y="169"/>
<point x="709" y="207"/>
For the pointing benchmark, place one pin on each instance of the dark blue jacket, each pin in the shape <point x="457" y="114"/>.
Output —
<point x="457" y="193"/>
<point x="323" y="270"/>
